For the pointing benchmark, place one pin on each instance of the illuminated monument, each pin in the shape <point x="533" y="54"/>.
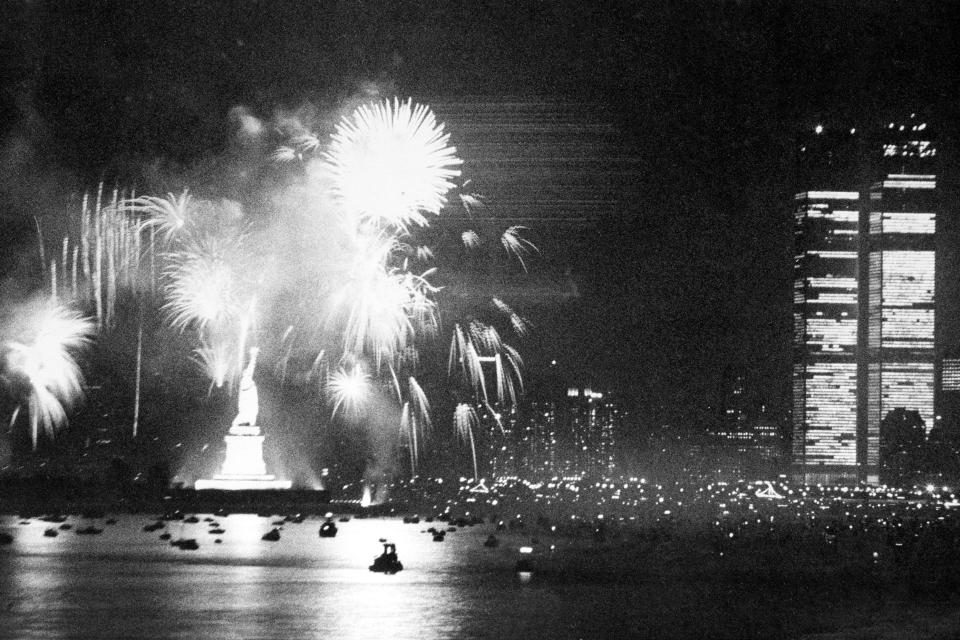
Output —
<point x="864" y="294"/>
<point x="243" y="466"/>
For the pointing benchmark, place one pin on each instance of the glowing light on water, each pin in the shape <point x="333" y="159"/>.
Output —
<point x="45" y="357"/>
<point x="391" y="163"/>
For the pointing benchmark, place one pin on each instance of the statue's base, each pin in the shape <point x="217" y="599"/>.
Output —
<point x="243" y="468"/>
<point x="241" y="482"/>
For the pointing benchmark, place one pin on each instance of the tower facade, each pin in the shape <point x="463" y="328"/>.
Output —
<point x="865" y="325"/>
<point x="901" y="293"/>
<point x="825" y="318"/>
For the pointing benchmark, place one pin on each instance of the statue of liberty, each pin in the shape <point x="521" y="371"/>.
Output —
<point x="248" y="402"/>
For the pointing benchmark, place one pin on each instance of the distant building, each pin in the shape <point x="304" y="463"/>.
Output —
<point x="573" y="436"/>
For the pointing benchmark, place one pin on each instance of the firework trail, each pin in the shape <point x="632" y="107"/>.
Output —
<point x="42" y="359"/>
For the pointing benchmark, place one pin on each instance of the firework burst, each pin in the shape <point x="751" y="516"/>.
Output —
<point x="391" y="163"/>
<point x="349" y="387"/>
<point x="204" y="284"/>
<point x="45" y="359"/>
<point x="166" y="216"/>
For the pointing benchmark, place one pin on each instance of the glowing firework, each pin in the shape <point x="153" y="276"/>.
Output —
<point x="390" y="164"/>
<point x="519" y="324"/>
<point x="217" y="362"/>
<point x="516" y="245"/>
<point x="203" y="285"/>
<point x="45" y="360"/>
<point x="382" y="308"/>
<point x="470" y="239"/>
<point x="167" y="215"/>
<point x="349" y="387"/>
<point x="465" y="421"/>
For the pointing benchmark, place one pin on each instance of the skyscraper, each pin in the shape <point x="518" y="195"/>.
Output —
<point x="901" y="294"/>
<point x="864" y="293"/>
<point x="825" y="302"/>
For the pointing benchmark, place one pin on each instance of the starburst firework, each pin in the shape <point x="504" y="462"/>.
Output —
<point x="44" y="357"/>
<point x="391" y="164"/>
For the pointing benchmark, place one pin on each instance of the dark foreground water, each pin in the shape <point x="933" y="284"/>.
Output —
<point x="126" y="583"/>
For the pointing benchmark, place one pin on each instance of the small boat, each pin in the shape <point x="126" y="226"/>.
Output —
<point x="156" y="526"/>
<point x="191" y="520"/>
<point x="328" y="529"/>
<point x="5" y="538"/>
<point x="216" y="531"/>
<point x="186" y="544"/>
<point x="439" y="536"/>
<point x="411" y="519"/>
<point x="271" y="536"/>
<point x="110" y="521"/>
<point x="65" y="527"/>
<point x="165" y="536"/>
<point x="89" y="531"/>
<point x="491" y="542"/>
<point x="344" y="519"/>
<point x="387" y="561"/>
<point x="50" y="533"/>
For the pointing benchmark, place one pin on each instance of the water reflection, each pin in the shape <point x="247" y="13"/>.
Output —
<point x="129" y="583"/>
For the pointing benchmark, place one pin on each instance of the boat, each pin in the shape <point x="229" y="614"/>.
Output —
<point x="387" y="561"/>
<point x="328" y="529"/>
<point x="271" y="536"/>
<point x="491" y="541"/>
<point x="5" y="538"/>
<point x="186" y="544"/>
<point x="50" y="533"/>
<point x="89" y="531"/>
<point x="216" y="531"/>
<point x="156" y="526"/>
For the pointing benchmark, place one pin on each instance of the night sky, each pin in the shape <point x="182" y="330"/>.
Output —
<point x="689" y="281"/>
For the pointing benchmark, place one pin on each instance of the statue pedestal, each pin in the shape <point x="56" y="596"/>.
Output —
<point x="243" y="467"/>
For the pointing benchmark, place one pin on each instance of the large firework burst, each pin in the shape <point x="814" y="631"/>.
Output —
<point x="391" y="164"/>
<point x="43" y="356"/>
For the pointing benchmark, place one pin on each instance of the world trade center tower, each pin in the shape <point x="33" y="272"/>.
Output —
<point x="864" y="293"/>
<point x="900" y="296"/>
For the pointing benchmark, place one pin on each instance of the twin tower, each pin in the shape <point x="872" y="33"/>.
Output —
<point x="867" y="308"/>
